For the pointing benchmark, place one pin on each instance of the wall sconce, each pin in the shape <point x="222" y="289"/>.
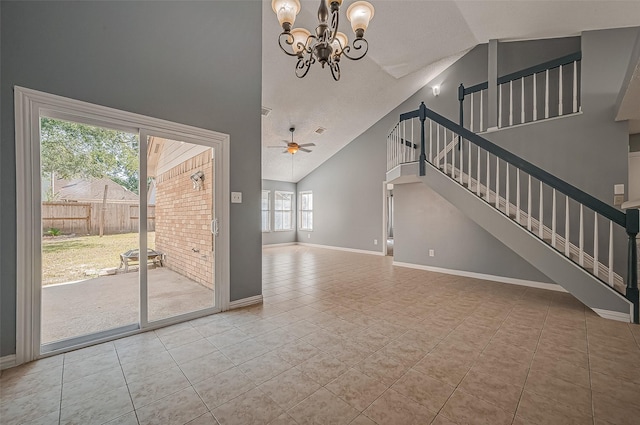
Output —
<point x="197" y="178"/>
<point x="436" y="90"/>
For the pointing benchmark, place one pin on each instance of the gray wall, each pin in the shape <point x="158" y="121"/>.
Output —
<point x="269" y="238"/>
<point x="170" y="60"/>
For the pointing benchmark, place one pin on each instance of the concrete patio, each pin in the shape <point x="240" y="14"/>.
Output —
<point x="107" y="302"/>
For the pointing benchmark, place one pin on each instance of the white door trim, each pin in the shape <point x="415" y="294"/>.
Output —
<point x="29" y="106"/>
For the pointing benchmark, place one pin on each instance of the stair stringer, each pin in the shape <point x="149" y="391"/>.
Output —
<point x="581" y="284"/>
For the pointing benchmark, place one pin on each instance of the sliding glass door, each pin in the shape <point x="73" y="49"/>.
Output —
<point x="128" y="220"/>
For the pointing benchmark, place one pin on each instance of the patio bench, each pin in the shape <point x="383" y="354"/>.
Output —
<point x="133" y="256"/>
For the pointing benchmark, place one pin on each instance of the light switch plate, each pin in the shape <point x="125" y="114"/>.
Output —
<point x="236" y="197"/>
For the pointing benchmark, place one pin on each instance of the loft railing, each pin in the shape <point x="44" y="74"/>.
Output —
<point x="580" y="226"/>
<point x="550" y="89"/>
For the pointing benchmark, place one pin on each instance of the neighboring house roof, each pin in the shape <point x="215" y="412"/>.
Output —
<point x="92" y="190"/>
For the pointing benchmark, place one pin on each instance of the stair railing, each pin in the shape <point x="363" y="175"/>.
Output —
<point x="531" y="94"/>
<point x="548" y="207"/>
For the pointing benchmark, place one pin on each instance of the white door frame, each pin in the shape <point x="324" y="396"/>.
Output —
<point x="29" y="106"/>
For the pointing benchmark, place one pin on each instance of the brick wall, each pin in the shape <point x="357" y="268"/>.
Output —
<point x="183" y="219"/>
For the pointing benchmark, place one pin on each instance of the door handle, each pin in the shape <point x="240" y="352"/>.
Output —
<point x="214" y="227"/>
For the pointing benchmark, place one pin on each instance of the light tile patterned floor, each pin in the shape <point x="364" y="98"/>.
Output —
<point x="347" y="338"/>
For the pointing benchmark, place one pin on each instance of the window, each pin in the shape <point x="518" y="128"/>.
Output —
<point x="283" y="211"/>
<point x="306" y="210"/>
<point x="266" y="211"/>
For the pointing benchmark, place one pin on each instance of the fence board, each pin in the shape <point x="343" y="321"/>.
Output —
<point x="84" y="218"/>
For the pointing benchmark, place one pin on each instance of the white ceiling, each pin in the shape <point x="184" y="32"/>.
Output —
<point x="411" y="42"/>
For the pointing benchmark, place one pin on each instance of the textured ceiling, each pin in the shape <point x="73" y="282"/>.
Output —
<point x="411" y="42"/>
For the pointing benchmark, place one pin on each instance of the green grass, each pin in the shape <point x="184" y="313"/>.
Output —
<point x="66" y="259"/>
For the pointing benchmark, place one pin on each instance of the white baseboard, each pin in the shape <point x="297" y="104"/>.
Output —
<point x="244" y="302"/>
<point x="501" y="279"/>
<point x="613" y="315"/>
<point x="273" y="245"/>
<point x="7" y="361"/>
<point x="339" y="248"/>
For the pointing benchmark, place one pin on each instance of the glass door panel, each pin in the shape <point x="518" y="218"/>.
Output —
<point x="89" y="205"/>
<point x="180" y="224"/>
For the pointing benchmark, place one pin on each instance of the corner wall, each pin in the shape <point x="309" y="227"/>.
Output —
<point x="169" y="60"/>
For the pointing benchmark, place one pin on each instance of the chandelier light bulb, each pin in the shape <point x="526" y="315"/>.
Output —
<point x="300" y="37"/>
<point x="339" y="43"/>
<point x="286" y="10"/>
<point x="359" y="14"/>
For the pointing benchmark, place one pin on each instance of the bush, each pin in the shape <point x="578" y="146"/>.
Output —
<point x="54" y="232"/>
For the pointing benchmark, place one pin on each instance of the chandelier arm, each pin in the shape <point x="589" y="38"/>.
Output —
<point x="288" y="39"/>
<point x="335" y="69"/>
<point x="360" y="47"/>
<point x="335" y="21"/>
<point x="303" y="66"/>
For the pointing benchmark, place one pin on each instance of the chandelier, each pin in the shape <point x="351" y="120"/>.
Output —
<point x="327" y="45"/>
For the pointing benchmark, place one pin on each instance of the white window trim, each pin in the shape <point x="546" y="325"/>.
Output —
<point x="300" y="211"/>
<point x="293" y="211"/>
<point x="269" y="230"/>
<point x="29" y="106"/>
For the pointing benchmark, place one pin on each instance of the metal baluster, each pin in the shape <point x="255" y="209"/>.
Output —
<point x="511" y="102"/>
<point x="560" y="91"/>
<point x="567" y="242"/>
<point x="610" y="252"/>
<point x="575" y="86"/>
<point x="541" y="214"/>
<point x="529" y="205"/>
<point x="581" y="240"/>
<point x="553" y="219"/>
<point x="546" y="95"/>
<point x="596" y="261"/>
<point x="535" y="98"/>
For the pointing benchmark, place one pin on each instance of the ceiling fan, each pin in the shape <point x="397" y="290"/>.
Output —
<point x="293" y="147"/>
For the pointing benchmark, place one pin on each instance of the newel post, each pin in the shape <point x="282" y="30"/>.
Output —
<point x="633" y="226"/>
<point x="423" y="155"/>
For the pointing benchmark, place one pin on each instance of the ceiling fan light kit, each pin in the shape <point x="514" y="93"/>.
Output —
<point x="327" y="45"/>
<point x="292" y="147"/>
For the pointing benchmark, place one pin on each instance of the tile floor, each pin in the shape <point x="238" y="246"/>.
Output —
<point x="347" y="338"/>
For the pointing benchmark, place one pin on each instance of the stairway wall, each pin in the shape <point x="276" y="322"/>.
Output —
<point x="425" y="220"/>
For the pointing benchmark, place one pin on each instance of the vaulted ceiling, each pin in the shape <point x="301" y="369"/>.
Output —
<point x="411" y="42"/>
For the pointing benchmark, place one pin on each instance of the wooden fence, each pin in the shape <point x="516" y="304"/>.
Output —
<point x="84" y="217"/>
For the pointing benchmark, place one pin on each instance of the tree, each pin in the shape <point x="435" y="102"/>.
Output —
<point x="72" y="150"/>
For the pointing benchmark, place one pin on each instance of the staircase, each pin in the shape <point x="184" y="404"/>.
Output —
<point x="564" y="232"/>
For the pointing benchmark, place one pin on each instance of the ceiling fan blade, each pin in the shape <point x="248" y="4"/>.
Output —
<point x="285" y="151"/>
<point x="304" y="150"/>
<point x="307" y="145"/>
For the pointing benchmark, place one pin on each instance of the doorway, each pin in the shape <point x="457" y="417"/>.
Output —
<point x="124" y="226"/>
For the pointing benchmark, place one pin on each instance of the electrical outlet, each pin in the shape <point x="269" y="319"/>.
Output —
<point x="308" y="235"/>
<point x="375" y="242"/>
<point x="432" y="253"/>
<point x="236" y="197"/>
